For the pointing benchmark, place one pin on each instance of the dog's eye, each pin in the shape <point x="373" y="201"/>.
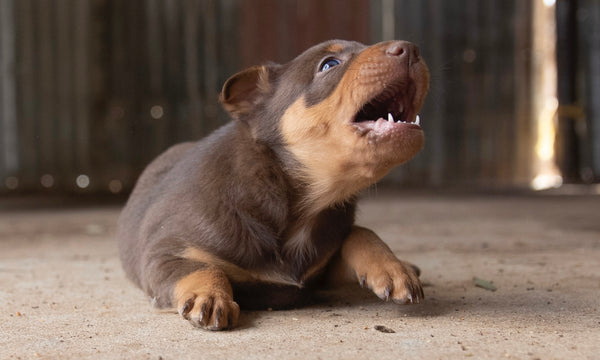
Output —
<point x="328" y="64"/>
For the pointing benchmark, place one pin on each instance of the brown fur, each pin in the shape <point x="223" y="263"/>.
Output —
<point x="256" y="212"/>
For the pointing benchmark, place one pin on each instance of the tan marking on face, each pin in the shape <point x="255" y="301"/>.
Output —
<point x="334" y="48"/>
<point x="338" y="161"/>
<point x="325" y="148"/>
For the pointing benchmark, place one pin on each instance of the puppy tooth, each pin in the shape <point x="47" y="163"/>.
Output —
<point x="418" y="120"/>
<point x="390" y="117"/>
<point x="401" y="108"/>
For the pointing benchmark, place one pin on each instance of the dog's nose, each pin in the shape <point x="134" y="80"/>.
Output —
<point x="403" y="49"/>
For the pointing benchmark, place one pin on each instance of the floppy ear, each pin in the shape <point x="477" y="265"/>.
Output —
<point x="245" y="90"/>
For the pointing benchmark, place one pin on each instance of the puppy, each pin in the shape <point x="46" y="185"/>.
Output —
<point x="256" y="213"/>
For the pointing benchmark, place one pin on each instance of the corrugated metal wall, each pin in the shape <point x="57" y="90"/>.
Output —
<point x="92" y="90"/>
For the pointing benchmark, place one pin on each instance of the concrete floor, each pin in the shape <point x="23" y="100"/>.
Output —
<point x="63" y="294"/>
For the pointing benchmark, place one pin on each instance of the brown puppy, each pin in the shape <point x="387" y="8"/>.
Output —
<point x="258" y="211"/>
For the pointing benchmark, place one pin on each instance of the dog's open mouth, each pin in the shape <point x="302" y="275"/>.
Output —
<point x="391" y="107"/>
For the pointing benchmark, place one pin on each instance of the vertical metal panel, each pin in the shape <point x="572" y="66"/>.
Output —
<point x="589" y="33"/>
<point x="46" y="84"/>
<point x="211" y="61"/>
<point x="64" y="119"/>
<point x="81" y="86"/>
<point x="9" y="162"/>
<point x="27" y="100"/>
<point x="523" y="130"/>
<point x="275" y="30"/>
<point x="567" y="139"/>
<point x="191" y="61"/>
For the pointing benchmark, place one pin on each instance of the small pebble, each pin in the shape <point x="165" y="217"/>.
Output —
<point x="384" y="329"/>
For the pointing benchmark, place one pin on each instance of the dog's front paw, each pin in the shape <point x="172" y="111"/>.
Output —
<point x="393" y="280"/>
<point x="212" y="311"/>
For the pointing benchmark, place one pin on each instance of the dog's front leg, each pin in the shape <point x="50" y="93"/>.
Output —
<point x="366" y="258"/>
<point x="205" y="298"/>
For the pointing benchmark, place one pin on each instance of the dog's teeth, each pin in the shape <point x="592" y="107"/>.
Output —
<point x="418" y="120"/>
<point x="401" y="108"/>
<point x="390" y="117"/>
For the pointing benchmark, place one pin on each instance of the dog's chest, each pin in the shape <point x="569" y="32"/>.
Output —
<point x="310" y="244"/>
<point x="299" y="244"/>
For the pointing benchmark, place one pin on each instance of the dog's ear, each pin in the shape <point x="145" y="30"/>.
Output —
<point x="245" y="90"/>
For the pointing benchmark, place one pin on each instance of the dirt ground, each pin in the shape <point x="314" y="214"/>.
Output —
<point x="63" y="294"/>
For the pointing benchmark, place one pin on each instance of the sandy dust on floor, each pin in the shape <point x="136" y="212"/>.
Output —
<point x="63" y="294"/>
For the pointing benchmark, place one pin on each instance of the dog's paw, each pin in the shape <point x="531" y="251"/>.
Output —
<point x="393" y="280"/>
<point x="212" y="311"/>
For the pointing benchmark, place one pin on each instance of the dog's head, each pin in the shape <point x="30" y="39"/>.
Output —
<point x="345" y="112"/>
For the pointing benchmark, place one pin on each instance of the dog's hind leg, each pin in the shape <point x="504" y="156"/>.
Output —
<point x="199" y="288"/>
